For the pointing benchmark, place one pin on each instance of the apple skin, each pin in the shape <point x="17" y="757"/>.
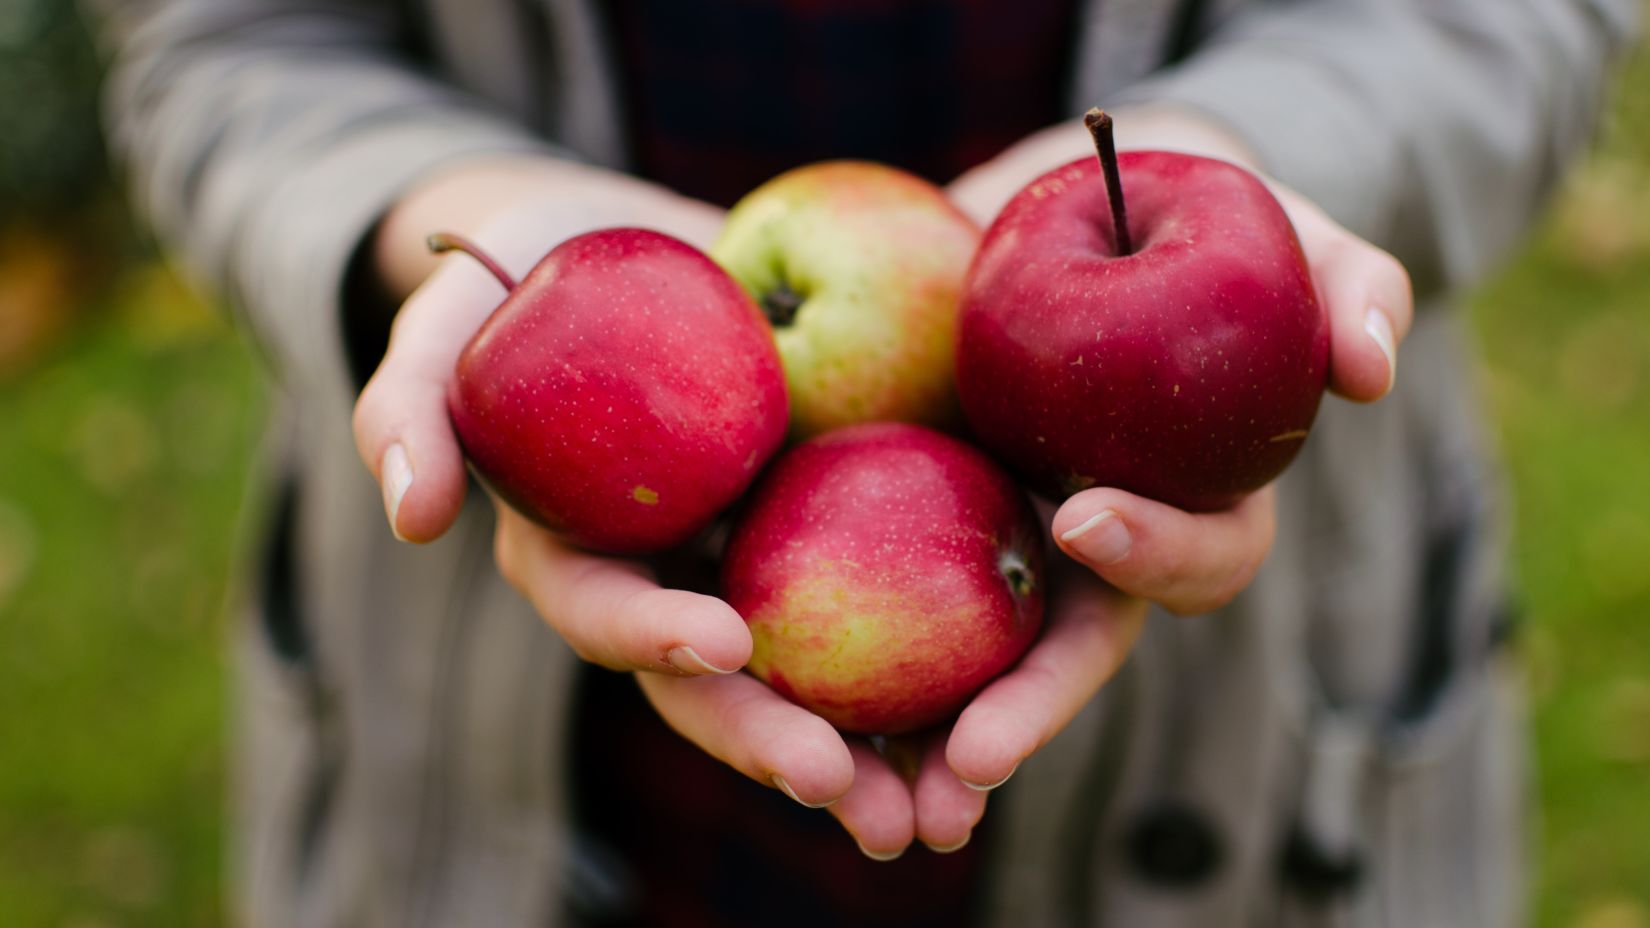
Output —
<point x="887" y="572"/>
<point x="623" y="394"/>
<point x="877" y="258"/>
<point x="1188" y="371"/>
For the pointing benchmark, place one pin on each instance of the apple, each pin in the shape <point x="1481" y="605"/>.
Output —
<point x="887" y="572"/>
<point x="859" y="268"/>
<point x="625" y="392"/>
<point x="1176" y="349"/>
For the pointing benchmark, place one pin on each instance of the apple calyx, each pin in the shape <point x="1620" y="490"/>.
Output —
<point x="1098" y="122"/>
<point x="1021" y="579"/>
<point x="780" y="304"/>
<point x="443" y="242"/>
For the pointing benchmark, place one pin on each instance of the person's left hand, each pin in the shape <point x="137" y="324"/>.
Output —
<point x="1196" y="563"/>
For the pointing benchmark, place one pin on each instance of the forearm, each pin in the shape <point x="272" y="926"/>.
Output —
<point x="265" y="140"/>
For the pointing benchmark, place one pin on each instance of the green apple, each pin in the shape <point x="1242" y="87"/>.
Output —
<point x="859" y="267"/>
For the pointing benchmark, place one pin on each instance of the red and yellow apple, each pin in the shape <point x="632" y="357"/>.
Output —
<point x="887" y="572"/>
<point x="859" y="268"/>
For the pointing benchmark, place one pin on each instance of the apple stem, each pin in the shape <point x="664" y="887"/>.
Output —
<point x="443" y="242"/>
<point x="1098" y="122"/>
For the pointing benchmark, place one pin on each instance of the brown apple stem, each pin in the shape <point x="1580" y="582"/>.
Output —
<point x="443" y="242"/>
<point x="1098" y="122"/>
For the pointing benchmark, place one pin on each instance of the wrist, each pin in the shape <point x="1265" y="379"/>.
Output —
<point x="1180" y="128"/>
<point x="982" y="191"/>
<point x="563" y="199"/>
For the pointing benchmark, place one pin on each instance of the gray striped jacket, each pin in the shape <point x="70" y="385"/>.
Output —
<point x="1341" y="746"/>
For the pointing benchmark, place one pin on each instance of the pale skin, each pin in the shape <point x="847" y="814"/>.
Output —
<point x="684" y="647"/>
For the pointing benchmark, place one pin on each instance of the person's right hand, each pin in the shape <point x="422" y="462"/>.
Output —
<point x="609" y="611"/>
<point x="517" y="210"/>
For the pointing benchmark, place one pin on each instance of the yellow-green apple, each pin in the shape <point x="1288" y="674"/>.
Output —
<point x="887" y="572"/>
<point x="1173" y="346"/>
<point x="624" y="393"/>
<point x="859" y="268"/>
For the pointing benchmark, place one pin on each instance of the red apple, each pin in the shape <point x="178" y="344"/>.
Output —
<point x="859" y="267"/>
<point x="1184" y="364"/>
<point x="888" y="573"/>
<point x="623" y="394"/>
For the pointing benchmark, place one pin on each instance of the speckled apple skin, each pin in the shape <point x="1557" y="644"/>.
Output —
<point x="869" y="564"/>
<point x="623" y="394"/>
<point x="879" y="256"/>
<point x="1188" y="371"/>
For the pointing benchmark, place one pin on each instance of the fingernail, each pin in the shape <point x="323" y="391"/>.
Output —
<point x="785" y="788"/>
<point x="951" y="849"/>
<point x="883" y="857"/>
<point x="396" y="473"/>
<point x="1379" y="329"/>
<point x="688" y="661"/>
<point x="987" y="787"/>
<point x="1103" y="539"/>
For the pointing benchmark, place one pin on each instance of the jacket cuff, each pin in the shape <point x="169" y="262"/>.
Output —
<point x="290" y="268"/>
<point x="1304" y="124"/>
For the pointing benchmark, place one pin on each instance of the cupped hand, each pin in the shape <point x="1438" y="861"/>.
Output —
<point x="610" y="611"/>
<point x="1196" y="563"/>
<point x="516" y="210"/>
<point x="930" y="787"/>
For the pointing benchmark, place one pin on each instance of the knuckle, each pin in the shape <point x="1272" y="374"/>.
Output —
<point x="1226" y="589"/>
<point x="1228" y="584"/>
<point x="367" y="408"/>
<point x="583" y="651"/>
<point x="505" y="556"/>
<point x="622" y="623"/>
<point x="1394" y="272"/>
<point x="1174" y="572"/>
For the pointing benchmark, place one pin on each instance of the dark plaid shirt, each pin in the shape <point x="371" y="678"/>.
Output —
<point x="722" y="95"/>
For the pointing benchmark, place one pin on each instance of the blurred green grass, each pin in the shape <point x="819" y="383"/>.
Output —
<point x="1565" y="337"/>
<point x="123" y="463"/>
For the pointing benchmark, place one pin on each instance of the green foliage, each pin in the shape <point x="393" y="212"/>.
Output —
<point x="51" y="157"/>
<point x="1565" y="333"/>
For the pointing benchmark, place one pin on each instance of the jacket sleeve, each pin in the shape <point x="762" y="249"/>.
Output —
<point x="1433" y="128"/>
<point x="265" y="138"/>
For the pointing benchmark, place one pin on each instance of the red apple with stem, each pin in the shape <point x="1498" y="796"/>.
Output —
<point x="1171" y="345"/>
<point x="625" y="392"/>
<point x="888" y="572"/>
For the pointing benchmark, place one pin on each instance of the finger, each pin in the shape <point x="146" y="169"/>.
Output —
<point x="946" y="808"/>
<point x="1191" y="563"/>
<point x="876" y="810"/>
<point x="1090" y="633"/>
<point x="744" y="724"/>
<point x="401" y="426"/>
<point x="1367" y="297"/>
<point x="612" y="613"/>
<point x="982" y="191"/>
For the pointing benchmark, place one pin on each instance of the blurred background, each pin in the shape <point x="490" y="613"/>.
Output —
<point x="130" y="417"/>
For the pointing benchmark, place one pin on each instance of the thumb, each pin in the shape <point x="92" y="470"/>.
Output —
<point x="1367" y="295"/>
<point x="1190" y="563"/>
<point x="402" y="429"/>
